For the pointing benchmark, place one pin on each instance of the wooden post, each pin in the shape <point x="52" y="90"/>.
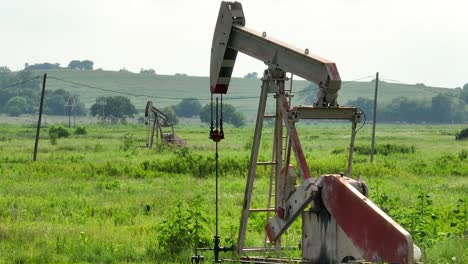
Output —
<point x="374" y="116"/>
<point x="40" y="116"/>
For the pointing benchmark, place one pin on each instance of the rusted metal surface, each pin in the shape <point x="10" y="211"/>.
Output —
<point x="323" y="241"/>
<point x="373" y="232"/>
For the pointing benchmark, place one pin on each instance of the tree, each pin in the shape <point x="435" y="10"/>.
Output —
<point x="366" y="105"/>
<point x="81" y="65"/>
<point x="26" y="89"/>
<point x="237" y="119"/>
<point x="230" y="115"/>
<point x="251" y="76"/>
<point x="17" y="105"/>
<point x="464" y="93"/>
<point x="441" y="109"/>
<point x="148" y="71"/>
<point x="113" y="108"/>
<point x="188" y="107"/>
<point x="4" y="69"/>
<point x="170" y="113"/>
<point x="74" y="65"/>
<point x="87" y="65"/>
<point x="56" y="102"/>
<point x="43" y="66"/>
<point x="403" y="109"/>
<point x="309" y="93"/>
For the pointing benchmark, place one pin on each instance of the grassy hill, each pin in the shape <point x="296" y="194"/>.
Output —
<point x="165" y="90"/>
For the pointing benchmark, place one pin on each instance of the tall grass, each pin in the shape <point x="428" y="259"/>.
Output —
<point x="88" y="199"/>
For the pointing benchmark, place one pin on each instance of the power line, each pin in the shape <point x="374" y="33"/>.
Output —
<point x="109" y="90"/>
<point x="144" y="95"/>
<point x="358" y="79"/>
<point x="424" y="88"/>
<point x="176" y="98"/>
<point x="19" y="83"/>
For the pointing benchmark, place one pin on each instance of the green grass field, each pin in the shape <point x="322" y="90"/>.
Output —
<point x="165" y="86"/>
<point x="103" y="197"/>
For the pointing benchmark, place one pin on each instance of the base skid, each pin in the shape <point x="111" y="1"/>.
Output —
<point x="267" y="260"/>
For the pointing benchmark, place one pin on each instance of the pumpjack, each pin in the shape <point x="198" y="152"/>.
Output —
<point x="339" y="222"/>
<point x="155" y="121"/>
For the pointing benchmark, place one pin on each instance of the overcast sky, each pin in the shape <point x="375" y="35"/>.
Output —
<point x="417" y="41"/>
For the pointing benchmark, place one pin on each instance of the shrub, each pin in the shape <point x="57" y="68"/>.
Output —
<point x="60" y="131"/>
<point x="462" y="135"/>
<point x="53" y="138"/>
<point x="385" y="149"/>
<point x="127" y="141"/>
<point x="184" y="227"/>
<point x="80" y="131"/>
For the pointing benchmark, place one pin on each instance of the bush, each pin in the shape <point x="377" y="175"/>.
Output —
<point x="128" y="141"/>
<point x="462" y="135"/>
<point x="60" y="131"/>
<point x="184" y="227"/>
<point x="80" y="131"/>
<point x="53" y="138"/>
<point x="385" y="149"/>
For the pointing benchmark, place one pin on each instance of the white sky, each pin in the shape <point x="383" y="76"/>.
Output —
<point x="414" y="41"/>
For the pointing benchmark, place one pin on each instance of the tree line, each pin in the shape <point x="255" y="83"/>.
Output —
<point x="24" y="98"/>
<point x="116" y="109"/>
<point x="72" y="65"/>
<point x="440" y="109"/>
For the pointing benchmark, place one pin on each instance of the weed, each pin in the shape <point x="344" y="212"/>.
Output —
<point x="183" y="227"/>
<point x="53" y="138"/>
<point x="128" y="141"/>
<point x="463" y="154"/>
<point x="98" y="147"/>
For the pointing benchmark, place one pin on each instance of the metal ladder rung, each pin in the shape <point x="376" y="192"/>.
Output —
<point x="270" y="116"/>
<point x="266" y="163"/>
<point x="259" y="210"/>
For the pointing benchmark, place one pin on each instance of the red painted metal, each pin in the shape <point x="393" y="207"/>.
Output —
<point x="296" y="143"/>
<point x="333" y="71"/>
<point x="219" y="89"/>
<point x="269" y="232"/>
<point x="300" y="157"/>
<point x="371" y="230"/>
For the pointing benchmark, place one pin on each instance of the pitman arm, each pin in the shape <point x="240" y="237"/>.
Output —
<point x="231" y="36"/>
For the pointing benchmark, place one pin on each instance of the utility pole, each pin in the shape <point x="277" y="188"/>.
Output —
<point x="374" y="116"/>
<point x="40" y="116"/>
<point x="69" y="111"/>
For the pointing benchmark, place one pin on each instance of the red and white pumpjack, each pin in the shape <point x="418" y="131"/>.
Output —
<point x="339" y="223"/>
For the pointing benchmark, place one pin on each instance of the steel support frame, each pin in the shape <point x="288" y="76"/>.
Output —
<point x="286" y="117"/>
<point x="265" y="90"/>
